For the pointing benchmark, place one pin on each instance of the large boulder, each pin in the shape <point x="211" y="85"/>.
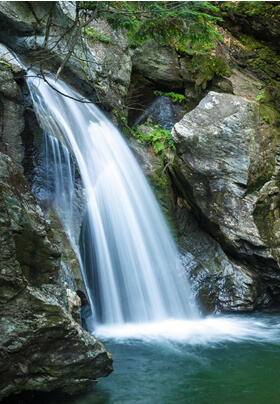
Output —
<point x="227" y="169"/>
<point x="41" y="346"/>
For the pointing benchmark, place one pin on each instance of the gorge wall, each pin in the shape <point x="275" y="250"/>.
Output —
<point x="219" y="186"/>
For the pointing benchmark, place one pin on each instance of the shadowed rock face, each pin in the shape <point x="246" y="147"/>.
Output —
<point x="226" y="168"/>
<point x="41" y="346"/>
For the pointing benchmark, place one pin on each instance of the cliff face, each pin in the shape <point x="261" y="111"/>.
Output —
<point x="42" y="346"/>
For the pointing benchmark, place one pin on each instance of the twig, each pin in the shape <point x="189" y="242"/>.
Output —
<point x="75" y="40"/>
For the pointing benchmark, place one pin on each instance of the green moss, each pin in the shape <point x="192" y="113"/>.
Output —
<point x="260" y="181"/>
<point x="266" y="217"/>
<point x="204" y="66"/>
<point x="93" y="35"/>
<point x="264" y="62"/>
<point x="258" y="8"/>
<point x="162" y="186"/>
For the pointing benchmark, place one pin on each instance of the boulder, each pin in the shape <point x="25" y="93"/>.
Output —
<point x="158" y="64"/>
<point x="219" y="282"/>
<point x="226" y="168"/>
<point x="41" y="346"/>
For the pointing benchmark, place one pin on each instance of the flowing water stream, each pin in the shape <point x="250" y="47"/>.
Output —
<point x="130" y="261"/>
<point x="142" y="310"/>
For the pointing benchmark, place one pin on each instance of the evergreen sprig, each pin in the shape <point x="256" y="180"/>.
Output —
<point x="166" y="22"/>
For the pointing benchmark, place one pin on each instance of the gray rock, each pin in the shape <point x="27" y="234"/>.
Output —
<point x="219" y="282"/>
<point x="159" y="64"/>
<point x="224" y="147"/>
<point x="226" y="168"/>
<point x="11" y="107"/>
<point x="41" y="346"/>
<point x="101" y="71"/>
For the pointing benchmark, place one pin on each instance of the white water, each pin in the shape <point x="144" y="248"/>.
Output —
<point x="207" y="331"/>
<point x="131" y="267"/>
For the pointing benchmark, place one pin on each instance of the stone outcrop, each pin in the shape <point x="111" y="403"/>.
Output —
<point x="260" y="20"/>
<point x="227" y="169"/>
<point x="11" y="107"/>
<point x="40" y="33"/>
<point x="41" y="346"/>
<point x="158" y="64"/>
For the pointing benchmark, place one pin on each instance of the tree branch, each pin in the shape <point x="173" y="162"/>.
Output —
<point x="75" y="40"/>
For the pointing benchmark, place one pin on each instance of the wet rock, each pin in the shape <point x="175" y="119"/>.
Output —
<point x="155" y="169"/>
<point x="41" y="346"/>
<point x="162" y="112"/>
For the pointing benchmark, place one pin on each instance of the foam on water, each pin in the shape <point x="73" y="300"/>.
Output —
<point x="210" y="330"/>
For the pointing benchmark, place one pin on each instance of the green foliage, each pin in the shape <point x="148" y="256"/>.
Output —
<point x="93" y="35"/>
<point x="159" y="138"/>
<point x="123" y="125"/>
<point x="265" y="62"/>
<point x="258" y="8"/>
<point x="261" y="96"/>
<point x="266" y="118"/>
<point x="205" y="66"/>
<point x="174" y="96"/>
<point x="5" y="61"/>
<point x="166" y="22"/>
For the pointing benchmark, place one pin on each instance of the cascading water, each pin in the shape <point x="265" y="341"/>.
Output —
<point x="131" y="267"/>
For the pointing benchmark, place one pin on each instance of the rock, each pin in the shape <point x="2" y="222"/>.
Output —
<point x="11" y="107"/>
<point x="163" y="111"/>
<point x="219" y="283"/>
<point x="254" y="62"/>
<point x="114" y="62"/>
<point x="260" y="20"/>
<point x="155" y="170"/>
<point x="226" y="168"/>
<point x="99" y="70"/>
<point x="16" y="18"/>
<point x="41" y="346"/>
<point x="159" y="64"/>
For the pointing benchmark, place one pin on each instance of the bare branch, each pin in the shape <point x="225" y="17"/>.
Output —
<point x="49" y="24"/>
<point x="75" y="40"/>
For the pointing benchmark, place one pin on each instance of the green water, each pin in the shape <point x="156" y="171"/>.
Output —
<point x="237" y="361"/>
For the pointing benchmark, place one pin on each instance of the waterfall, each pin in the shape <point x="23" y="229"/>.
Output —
<point x="129" y="260"/>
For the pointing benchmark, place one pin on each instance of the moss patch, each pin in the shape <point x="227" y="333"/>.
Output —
<point x="265" y="63"/>
<point x="162" y="186"/>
